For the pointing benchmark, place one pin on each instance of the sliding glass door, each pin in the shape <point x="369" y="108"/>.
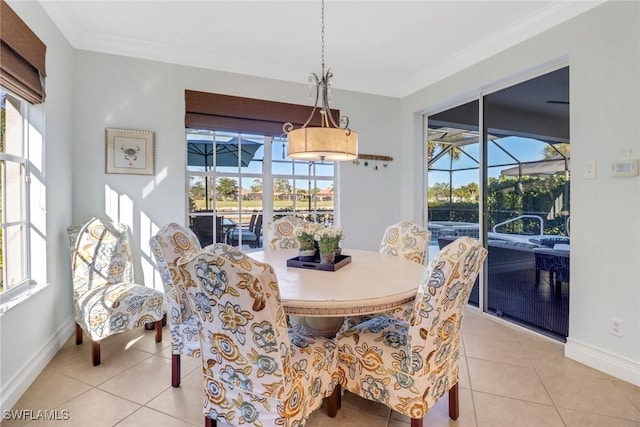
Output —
<point x="523" y="154"/>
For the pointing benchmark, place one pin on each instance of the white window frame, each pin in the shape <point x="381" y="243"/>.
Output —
<point x="268" y="181"/>
<point x="24" y="287"/>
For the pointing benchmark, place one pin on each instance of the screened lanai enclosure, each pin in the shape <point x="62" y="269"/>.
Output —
<point x="507" y="181"/>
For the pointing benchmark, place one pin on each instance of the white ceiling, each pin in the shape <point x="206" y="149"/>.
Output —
<point x="390" y="48"/>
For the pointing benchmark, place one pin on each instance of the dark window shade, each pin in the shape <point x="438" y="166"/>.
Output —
<point x="22" y="57"/>
<point x="233" y="113"/>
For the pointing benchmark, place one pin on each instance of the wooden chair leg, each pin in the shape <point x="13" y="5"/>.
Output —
<point x="78" y="334"/>
<point x="454" y="402"/>
<point x="208" y="422"/>
<point x="416" y="422"/>
<point x="334" y="402"/>
<point x="175" y="370"/>
<point x="95" y="352"/>
<point x="159" y="331"/>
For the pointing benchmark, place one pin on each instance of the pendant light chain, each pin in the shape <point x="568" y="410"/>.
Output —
<point x="322" y="37"/>
<point x="329" y="141"/>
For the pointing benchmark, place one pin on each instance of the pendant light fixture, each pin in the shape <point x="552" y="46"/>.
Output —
<point x="328" y="142"/>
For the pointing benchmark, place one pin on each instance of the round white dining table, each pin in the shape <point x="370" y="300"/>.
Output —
<point x="371" y="283"/>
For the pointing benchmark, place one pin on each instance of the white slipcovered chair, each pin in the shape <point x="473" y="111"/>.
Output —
<point x="409" y="365"/>
<point x="170" y="243"/>
<point x="256" y="372"/>
<point x="106" y="301"/>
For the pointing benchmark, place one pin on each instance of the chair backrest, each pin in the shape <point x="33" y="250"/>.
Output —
<point x="168" y="245"/>
<point x="203" y="228"/>
<point x="257" y="225"/>
<point x="406" y="239"/>
<point x="282" y="236"/>
<point x="252" y="221"/>
<point x="436" y="319"/>
<point x="244" y="337"/>
<point x="100" y="254"/>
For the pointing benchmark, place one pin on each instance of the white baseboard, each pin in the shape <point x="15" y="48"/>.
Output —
<point x="619" y="367"/>
<point x="20" y="382"/>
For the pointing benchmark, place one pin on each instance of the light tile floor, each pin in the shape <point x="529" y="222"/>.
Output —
<point x="508" y="377"/>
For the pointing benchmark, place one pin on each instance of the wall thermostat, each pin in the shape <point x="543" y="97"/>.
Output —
<point x="627" y="167"/>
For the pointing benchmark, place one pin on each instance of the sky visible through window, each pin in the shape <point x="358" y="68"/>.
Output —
<point x="281" y="164"/>
<point x="523" y="149"/>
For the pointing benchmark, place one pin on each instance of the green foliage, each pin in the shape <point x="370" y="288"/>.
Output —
<point x="256" y="186"/>
<point x="227" y="189"/>
<point x="461" y="211"/>
<point x="549" y="152"/>
<point x="282" y="186"/>
<point x="505" y="201"/>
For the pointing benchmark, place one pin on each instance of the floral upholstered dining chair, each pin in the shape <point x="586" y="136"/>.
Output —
<point x="407" y="239"/>
<point x="281" y="232"/>
<point x="170" y="243"/>
<point x="409" y="365"/>
<point x="256" y="372"/>
<point x="106" y="301"/>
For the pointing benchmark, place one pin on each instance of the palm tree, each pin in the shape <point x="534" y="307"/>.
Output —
<point x="454" y="152"/>
<point x="256" y="186"/>
<point x="227" y="188"/>
<point x="551" y="150"/>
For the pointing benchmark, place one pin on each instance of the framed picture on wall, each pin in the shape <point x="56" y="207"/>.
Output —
<point x="130" y="151"/>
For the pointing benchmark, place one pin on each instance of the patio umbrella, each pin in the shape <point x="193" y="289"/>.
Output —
<point x="200" y="152"/>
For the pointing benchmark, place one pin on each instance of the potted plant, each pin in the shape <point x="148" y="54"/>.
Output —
<point x="305" y="237"/>
<point x="328" y="242"/>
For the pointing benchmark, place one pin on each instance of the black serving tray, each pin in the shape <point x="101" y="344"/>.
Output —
<point x="341" y="261"/>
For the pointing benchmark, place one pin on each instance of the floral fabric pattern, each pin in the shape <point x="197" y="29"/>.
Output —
<point x="167" y="246"/>
<point x="409" y="364"/>
<point x="406" y="239"/>
<point x="409" y="240"/>
<point x="282" y="232"/>
<point x="256" y="372"/>
<point x="106" y="301"/>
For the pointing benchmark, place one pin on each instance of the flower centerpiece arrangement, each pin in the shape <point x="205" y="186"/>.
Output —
<point x="328" y="239"/>
<point x="305" y="237"/>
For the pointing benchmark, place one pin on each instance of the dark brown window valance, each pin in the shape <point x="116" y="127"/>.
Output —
<point x="22" y="57"/>
<point x="233" y="113"/>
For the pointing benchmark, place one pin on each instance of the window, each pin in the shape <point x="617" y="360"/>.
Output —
<point x="238" y="181"/>
<point x="14" y="192"/>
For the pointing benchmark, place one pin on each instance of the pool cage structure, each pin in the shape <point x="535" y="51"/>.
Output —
<point x="527" y="201"/>
<point x="522" y="184"/>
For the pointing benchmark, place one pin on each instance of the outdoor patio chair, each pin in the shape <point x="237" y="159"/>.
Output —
<point x="202" y="226"/>
<point x="169" y="244"/>
<point x="106" y="301"/>
<point x="409" y="365"/>
<point x="281" y="232"/>
<point x="255" y="370"/>
<point x="250" y="236"/>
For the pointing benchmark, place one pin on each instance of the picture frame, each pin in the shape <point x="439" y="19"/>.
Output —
<point x="129" y="151"/>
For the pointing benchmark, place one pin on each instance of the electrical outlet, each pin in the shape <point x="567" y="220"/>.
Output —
<point x="617" y="327"/>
